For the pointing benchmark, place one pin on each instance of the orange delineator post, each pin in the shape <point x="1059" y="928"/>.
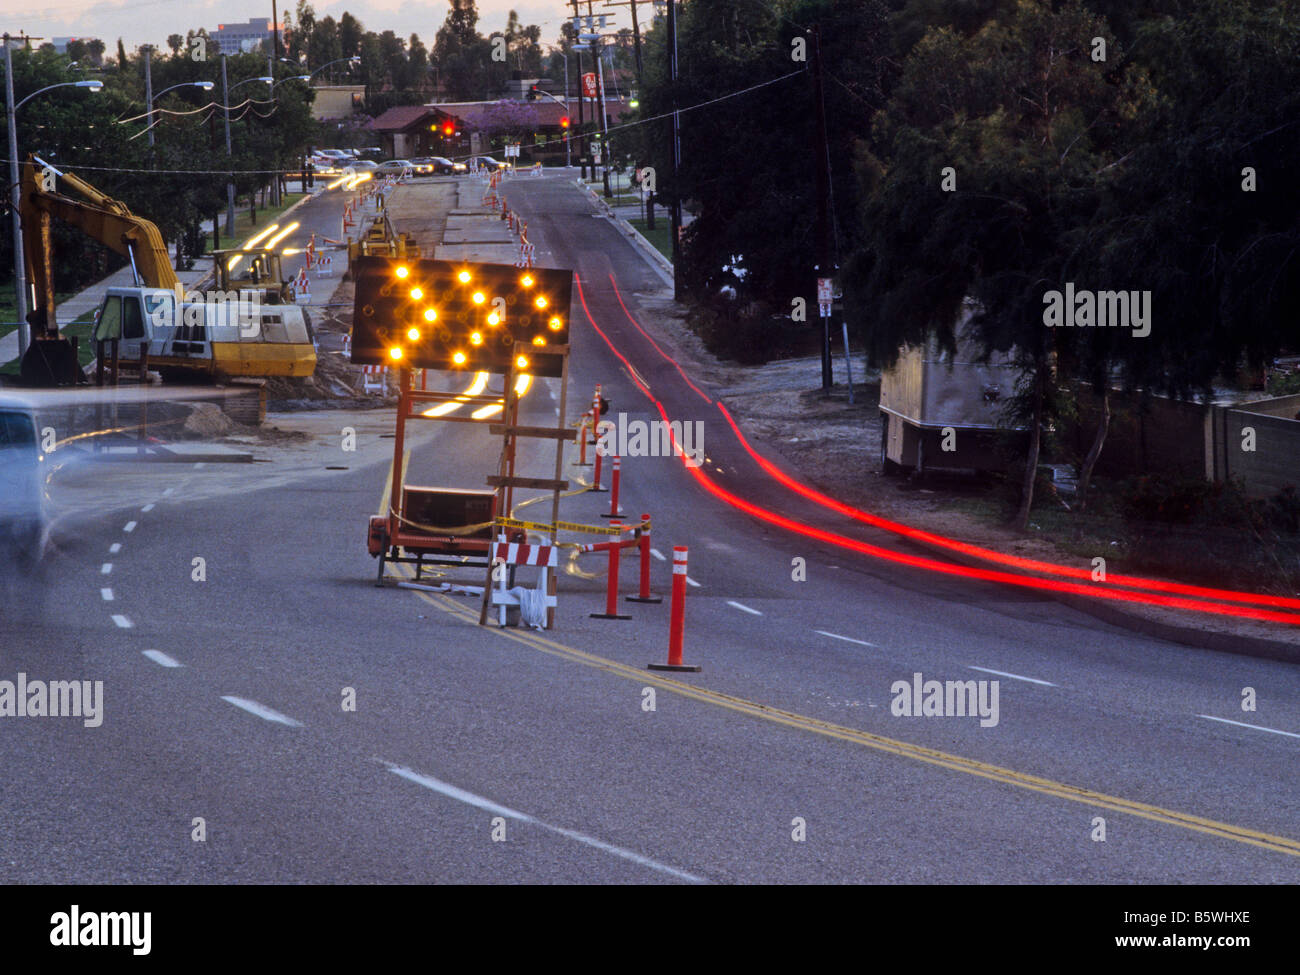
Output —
<point x="643" y="544"/>
<point x="677" y="622"/>
<point x="615" y="478"/>
<point x="595" y="414"/>
<point x="582" y="440"/>
<point x="611" y="590"/>
<point x="596" y="475"/>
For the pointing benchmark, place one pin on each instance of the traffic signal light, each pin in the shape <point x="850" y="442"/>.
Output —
<point x="449" y="129"/>
<point x="431" y="314"/>
<point x="564" y="122"/>
<point x="532" y="93"/>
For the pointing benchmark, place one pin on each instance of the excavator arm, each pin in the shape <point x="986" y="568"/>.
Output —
<point x="101" y="218"/>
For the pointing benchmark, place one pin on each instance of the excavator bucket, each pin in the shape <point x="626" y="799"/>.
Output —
<point x="51" y="362"/>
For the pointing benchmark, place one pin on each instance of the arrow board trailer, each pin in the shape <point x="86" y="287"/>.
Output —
<point x="940" y="411"/>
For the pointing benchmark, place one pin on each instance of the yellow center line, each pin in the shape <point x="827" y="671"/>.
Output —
<point x="919" y="753"/>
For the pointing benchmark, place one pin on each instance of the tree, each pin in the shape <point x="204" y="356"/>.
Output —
<point x="95" y="51"/>
<point x="350" y="34"/>
<point x="121" y="55"/>
<point x="76" y="50"/>
<point x="177" y="43"/>
<point x="461" y="54"/>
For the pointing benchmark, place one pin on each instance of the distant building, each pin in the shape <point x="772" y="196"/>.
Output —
<point x="238" y="38"/>
<point x="337" y="101"/>
<point x="61" y="43"/>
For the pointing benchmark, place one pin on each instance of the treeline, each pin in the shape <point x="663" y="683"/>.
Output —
<point x="997" y="151"/>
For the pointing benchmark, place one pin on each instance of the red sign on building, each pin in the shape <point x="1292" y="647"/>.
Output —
<point x="589" y="85"/>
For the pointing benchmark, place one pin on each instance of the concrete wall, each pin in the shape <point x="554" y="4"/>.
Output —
<point x="1274" y="463"/>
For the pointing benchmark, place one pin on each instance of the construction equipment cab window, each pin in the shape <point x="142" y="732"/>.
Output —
<point x="109" y="326"/>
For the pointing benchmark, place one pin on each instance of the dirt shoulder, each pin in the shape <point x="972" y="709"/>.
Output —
<point x="836" y="448"/>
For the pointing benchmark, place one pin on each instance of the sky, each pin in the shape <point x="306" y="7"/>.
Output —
<point x="150" y="21"/>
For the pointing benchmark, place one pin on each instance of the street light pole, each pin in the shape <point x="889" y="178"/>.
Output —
<point x="230" y="183"/>
<point x="15" y="201"/>
<point x="675" y="203"/>
<point x="568" y="157"/>
<point x="148" y="86"/>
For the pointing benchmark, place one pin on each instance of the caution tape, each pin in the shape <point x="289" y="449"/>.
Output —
<point x="569" y="526"/>
<point x="440" y="530"/>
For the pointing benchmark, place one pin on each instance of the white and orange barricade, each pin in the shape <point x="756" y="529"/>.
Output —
<point x="533" y="603"/>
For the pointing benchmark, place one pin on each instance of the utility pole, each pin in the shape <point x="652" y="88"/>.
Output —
<point x="568" y="114"/>
<point x="230" y="183"/>
<point x="821" y="165"/>
<point x="596" y="49"/>
<point x="674" y="201"/>
<point x="275" y="158"/>
<point x="275" y="32"/>
<point x="636" y="34"/>
<point x="15" y="202"/>
<point x="148" y="87"/>
<point x="582" y="159"/>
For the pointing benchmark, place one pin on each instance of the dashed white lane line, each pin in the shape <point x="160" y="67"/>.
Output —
<point x="658" y="554"/>
<point x="1242" y="724"/>
<point x="1003" y="673"/>
<point x="147" y="508"/>
<point x="743" y="608"/>
<point x="692" y="582"/>
<point x="160" y="658"/>
<point x="846" y="639"/>
<point x="168" y="491"/>
<point x="106" y="568"/>
<point x="487" y="805"/>
<point x="115" y="548"/>
<point x="106" y="594"/>
<point x="198" y="465"/>
<point x="262" y="711"/>
<point x="122" y="621"/>
<point x="129" y="526"/>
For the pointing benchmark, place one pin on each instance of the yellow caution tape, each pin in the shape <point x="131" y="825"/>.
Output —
<point x="568" y="526"/>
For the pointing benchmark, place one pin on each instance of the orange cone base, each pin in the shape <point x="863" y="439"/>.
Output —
<point x="644" y="599"/>
<point x="690" y="668"/>
<point x="607" y="616"/>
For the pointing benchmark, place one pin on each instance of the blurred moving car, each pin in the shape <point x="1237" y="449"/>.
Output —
<point x="488" y="163"/>
<point x="439" y="165"/>
<point x="24" y="526"/>
<point x="360" y="166"/>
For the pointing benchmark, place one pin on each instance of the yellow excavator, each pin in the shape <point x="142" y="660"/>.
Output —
<point x="222" y="335"/>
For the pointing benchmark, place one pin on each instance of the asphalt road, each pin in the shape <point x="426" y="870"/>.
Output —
<point x="461" y="731"/>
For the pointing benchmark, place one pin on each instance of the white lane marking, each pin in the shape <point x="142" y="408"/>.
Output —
<point x="106" y="568"/>
<point x="122" y="621"/>
<point x="261" y="710"/>
<point x="1003" y="673"/>
<point x="168" y="491"/>
<point x="147" y="508"/>
<point x="106" y="594"/>
<point x="1242" y="724"/>
<point x="129" y="526"/>
<point x="470" y="799"/>
<point x="693" y="582"/>
<point x="160" y="658"/>
<point x="198" y="465"/>
<point x="658" y="554"/>
<point x="115" y="548"/>
<point x="742" y="607"/>
<point x="846" y="639"/>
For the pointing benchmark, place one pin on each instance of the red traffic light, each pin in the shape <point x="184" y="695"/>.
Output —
<point x="448" y="128"/>
<point x="564" y="122"/>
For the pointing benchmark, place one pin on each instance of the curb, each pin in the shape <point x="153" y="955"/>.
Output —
<point x="658" y="263"/>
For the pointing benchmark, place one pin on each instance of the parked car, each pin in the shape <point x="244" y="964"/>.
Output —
<point x="488" y="163"/>
<point x="396" y="167"/>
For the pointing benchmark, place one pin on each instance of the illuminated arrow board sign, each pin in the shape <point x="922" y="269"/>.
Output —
<point x="431" y="314"/>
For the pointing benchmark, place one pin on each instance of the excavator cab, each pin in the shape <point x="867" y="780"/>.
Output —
<point x="256" y="270"/>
